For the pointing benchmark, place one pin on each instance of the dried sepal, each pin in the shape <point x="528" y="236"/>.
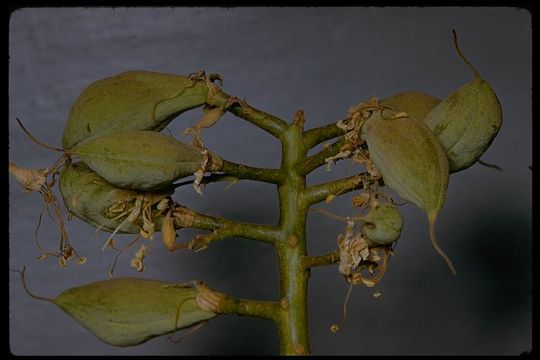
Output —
<point x="137" y="261"/>
<point x="168" y="232"/>
<point x="352" y="249"/>
<point x="208" y="299"/>
<point x="30" y="179"/>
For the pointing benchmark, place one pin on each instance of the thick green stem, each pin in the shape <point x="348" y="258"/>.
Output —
<point x="289" y="237"/>
<point x="293" y="316"/>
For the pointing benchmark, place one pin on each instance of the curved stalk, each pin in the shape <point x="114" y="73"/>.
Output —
<point x="240" y="108"/>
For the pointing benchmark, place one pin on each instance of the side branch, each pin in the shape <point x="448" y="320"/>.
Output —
<point x="210" y="300"/>
<point x="308" y="262"/>
<point x="270" y="123"/>
<point x="263" y="233"/>
<point x="221" y="228"/>
<point x="317" y="193"/>
<point x="242" y="171"/>
<point x="315" y="136"/>
<point x="317" y="160"/>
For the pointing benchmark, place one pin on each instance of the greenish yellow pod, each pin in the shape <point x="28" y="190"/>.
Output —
<point x="130" y="311"/>
<point x="383" y="224"/>
<point x="415" y="103"/>
<point x="142" y="160"/>
<point x="466" y="123"/>
<point x="101" y="204"/>
<point x="133" y="100"/>
<point x="411" y="161"/>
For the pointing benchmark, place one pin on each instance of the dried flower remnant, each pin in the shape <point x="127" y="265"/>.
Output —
<point x="137" y="261"/>
<point x="36" y="181"/>
<point x="30" y="179"/>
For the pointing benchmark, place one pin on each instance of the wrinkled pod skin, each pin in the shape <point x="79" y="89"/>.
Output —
<point x="130" y="311"/>
<point x="382" y="225"/>
<point x="88" y="196"/>
<point x="415" y="103"/>
<point x="466" y="123"/>
<point x="411" y="161"/>
<point x="142" y="160"/>
<point x="130" y="101"/>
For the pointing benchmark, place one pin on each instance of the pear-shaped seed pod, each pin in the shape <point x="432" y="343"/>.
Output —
<point x="130" y="311"/>
<point x="89" y="197"/>
<point x="411" y="161"/>
<point x="383" y="224"/>
<point x="466" y="123"/>
<point x="141" y="160"/>
<point x="415" y="103"/>
<point x="133" y="100"/>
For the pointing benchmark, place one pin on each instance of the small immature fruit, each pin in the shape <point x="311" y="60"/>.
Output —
<point x="141" y="160"/>
<point x="467" y="121"/>
<point x="411" y="161"/>
<point x="415" y="103"/>
<point x="383" y="225"/>
<point x="88" y="196"/>
<point x="133" y="100"/>
<point x="130" y="311"/>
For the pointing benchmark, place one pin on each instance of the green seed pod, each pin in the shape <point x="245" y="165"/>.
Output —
<point x="411" y="161"/>
<point x="416" y="104"/>
<point x="133" y="100"/>
<point x="88" y="196"/>
<point x="467" y="121"/>
<point x="141" y="160"/>
<point x="130" y="311"/>
<point x="383" y="225"/>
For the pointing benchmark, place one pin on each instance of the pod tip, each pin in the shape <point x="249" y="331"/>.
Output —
<point x="432" y="218"/>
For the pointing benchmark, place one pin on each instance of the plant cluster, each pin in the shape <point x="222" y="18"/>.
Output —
<point x="118" y="172"/>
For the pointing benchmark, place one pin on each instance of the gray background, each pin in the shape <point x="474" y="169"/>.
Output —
<point x="321" y="60"/>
